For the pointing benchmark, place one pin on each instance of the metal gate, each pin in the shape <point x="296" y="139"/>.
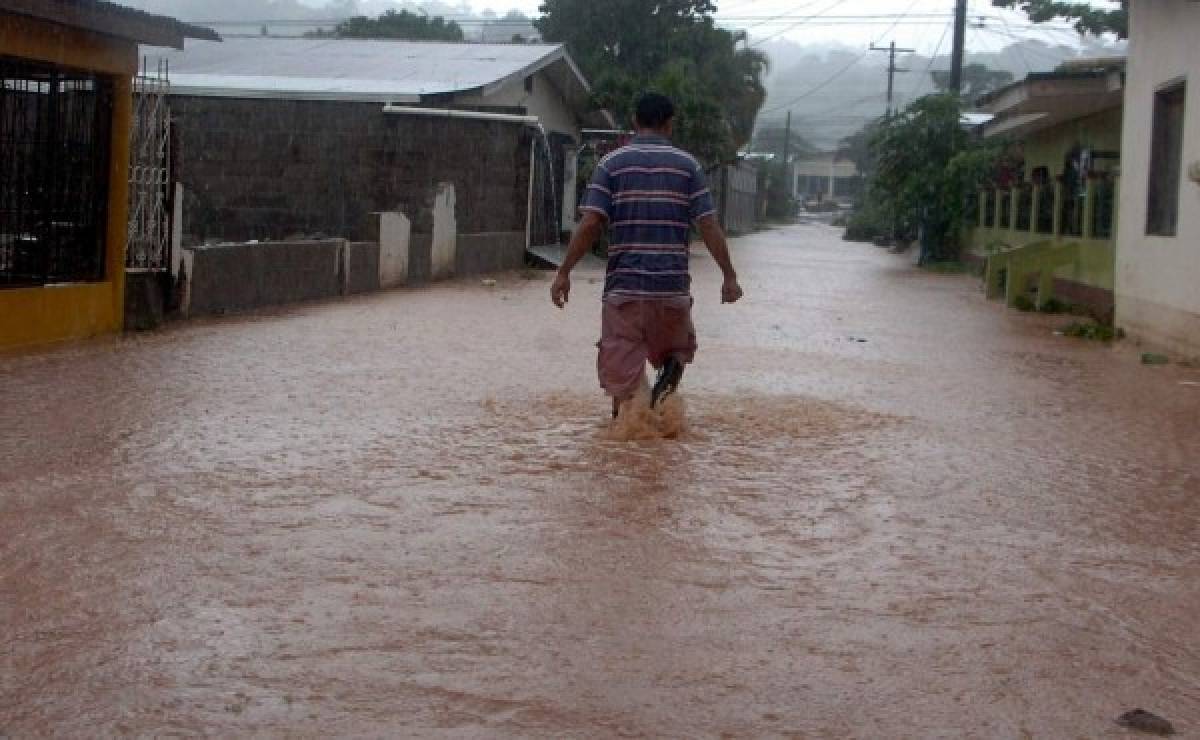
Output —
<point x="149" y="238"/>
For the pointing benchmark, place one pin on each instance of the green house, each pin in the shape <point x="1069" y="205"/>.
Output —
<point x="1048" y="230"/>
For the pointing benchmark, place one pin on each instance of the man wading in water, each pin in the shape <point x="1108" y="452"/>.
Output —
<point x="648" y="194"/>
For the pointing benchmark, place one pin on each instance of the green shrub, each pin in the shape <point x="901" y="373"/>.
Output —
<point x="1088" y="330"/>
<point x="1024" y="303"/>
<point x="1053" y="305"/>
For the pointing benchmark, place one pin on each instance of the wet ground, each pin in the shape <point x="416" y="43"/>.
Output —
<point x="399" y="516"/>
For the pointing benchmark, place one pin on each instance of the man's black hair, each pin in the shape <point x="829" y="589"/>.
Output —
<point x="654" y="110"/>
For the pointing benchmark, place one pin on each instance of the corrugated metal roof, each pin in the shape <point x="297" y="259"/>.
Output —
<point x="384" y="71"/>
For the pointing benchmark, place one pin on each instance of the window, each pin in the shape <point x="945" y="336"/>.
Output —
<point x="54" y="156"/>
<point x="529" y="84"/>
<point x="1166" y="161"/>
<point x="989" y="209"/>
<point x="1005" y="210"/>
<point x="1103" y="208"/>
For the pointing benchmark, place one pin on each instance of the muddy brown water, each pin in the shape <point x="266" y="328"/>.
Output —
<point x="398" y="515"/>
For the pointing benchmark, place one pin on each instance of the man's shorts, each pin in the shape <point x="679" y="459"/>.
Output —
<point x="635" y="331"/>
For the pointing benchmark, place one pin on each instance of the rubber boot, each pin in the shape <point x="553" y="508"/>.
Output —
<point x="668" y="380"/>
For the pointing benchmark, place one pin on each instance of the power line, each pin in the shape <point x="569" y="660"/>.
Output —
<point x="772" y="19"/>
<point x="932" y="60"/>
<point x="794" y="26"/>
<point x="843" y="70"/>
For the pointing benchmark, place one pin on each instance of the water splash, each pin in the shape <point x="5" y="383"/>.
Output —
<point x="637" y="420"/>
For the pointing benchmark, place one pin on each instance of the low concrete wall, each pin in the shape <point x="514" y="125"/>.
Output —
<point x="362" y="273"/>
<point x="225" y="278"/>
<point x="236" y="277"/>
<point x="494" y="252"/>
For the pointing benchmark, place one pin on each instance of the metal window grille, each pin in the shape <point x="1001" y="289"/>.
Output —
<point x="150" y="172"/>
<point x="55" y="141"/>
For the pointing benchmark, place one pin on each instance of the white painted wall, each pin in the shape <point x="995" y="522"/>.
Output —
<point x="395" y="236"/>
<point x="445" y="233"/>
<point x="545" y="102"/>
<point x="1158" y="278"/>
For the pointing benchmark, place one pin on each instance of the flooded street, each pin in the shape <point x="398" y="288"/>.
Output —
<point x="399" y="515"/>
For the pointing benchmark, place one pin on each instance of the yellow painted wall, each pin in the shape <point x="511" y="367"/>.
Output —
<point x="54" y="313"/>
<point x="1049" y="148"/>
<point x="1101" y="132"/>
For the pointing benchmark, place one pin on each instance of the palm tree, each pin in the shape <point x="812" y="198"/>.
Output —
<point x="746" y="93"/>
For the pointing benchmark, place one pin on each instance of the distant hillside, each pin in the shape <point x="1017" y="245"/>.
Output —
<point x="833" y="90"/>
<point x="295" y="18"/>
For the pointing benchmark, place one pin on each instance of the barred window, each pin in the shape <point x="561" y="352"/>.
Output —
<point x="55" y="139"/>
<point x="1166" y="161"/>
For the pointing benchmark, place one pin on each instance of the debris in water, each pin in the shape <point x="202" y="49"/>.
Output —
<point x="1148" y="722"/>
<point x="489" y="283"/>
<point x="1149" y="358"/>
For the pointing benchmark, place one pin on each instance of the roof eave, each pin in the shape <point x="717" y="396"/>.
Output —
<point x="110" y="19"/>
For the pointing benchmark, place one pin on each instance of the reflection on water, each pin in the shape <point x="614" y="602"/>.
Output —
<point x="409" y="514"/>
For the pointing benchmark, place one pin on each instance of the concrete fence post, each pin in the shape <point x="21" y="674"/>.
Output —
<point x="394" y="234"/>
<point x="445" y="233"/>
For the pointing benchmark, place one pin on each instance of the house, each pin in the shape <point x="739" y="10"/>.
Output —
<point x="1053" y="215"/>
<point x="826" y="176"/>
<point x="284" y="136"/>
<point x="67" y="68"/>
<point x="1158" y="239"/>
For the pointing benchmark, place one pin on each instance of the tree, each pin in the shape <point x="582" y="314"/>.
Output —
<point x="1087" y="17"/>
<point x="977" y="80"/>
<point x="674" y="47"/>
<point x="925" y="163"/>
<point x="769" y="139"/>
<point x="395" y="25"/>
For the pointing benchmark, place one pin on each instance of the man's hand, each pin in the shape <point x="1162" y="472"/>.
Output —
<point x="714" y="239"/>
<point x="560" y="289"/>
<point x="586" y="233"/>
<point x="731" y="292"/>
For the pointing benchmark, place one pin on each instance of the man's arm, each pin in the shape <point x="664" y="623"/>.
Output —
<point x="714" y="239"/>
<point x="586" y="234"/>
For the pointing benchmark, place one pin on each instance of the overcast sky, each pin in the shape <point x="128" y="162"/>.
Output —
<point x="920" y="24"/>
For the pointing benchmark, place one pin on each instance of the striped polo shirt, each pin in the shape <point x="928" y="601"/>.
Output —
<point x="651" y="193"/>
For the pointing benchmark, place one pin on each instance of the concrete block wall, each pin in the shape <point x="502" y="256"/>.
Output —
<point x="272" y="169"/>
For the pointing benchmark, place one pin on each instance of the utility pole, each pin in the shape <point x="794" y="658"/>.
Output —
<point x="892" y="69"/>
<point x="787" y="138"/>
<point x="960" y="46"/>
<point x="787" y="153"/>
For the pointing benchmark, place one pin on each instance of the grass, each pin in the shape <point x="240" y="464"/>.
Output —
<point x="1093" y="331"/>
<point x="948" y="267"/>
<point x="1024" y="303"/>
